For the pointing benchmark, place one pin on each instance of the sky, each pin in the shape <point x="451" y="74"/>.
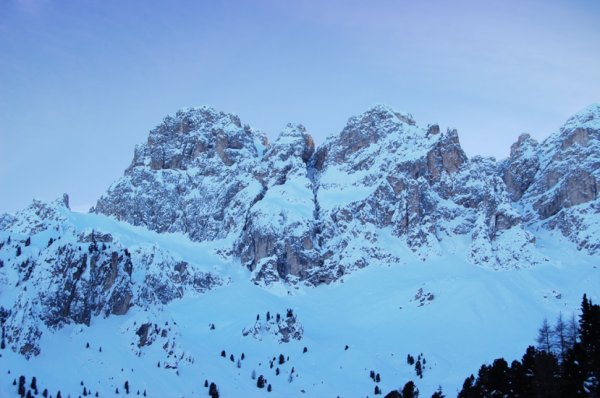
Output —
<point x="83" y="81"/>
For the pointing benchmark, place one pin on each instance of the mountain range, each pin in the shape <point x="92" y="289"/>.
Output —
<point x="384" y="241"/>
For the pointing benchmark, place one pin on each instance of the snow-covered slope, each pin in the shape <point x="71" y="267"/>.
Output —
<point x="385" y="241"/>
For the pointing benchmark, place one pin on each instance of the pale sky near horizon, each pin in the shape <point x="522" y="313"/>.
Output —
<point x="83" y="81"/>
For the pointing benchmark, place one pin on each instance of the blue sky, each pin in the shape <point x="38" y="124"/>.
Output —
<point x="83" y="81"/>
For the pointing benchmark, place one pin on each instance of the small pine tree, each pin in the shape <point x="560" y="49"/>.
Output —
<point x="419" y="369"/>
<point x="243" y="356"/>
<point x="269" y="388"/>
<point x="260" y="383"/>
<point x="117" y="390"/>
<point x="372" y="375"/>
<point x="45" y="393"/>
<point x="410" y="360"/>
<point x="253" y="375"/>
<point x="126" y="386"/>
<point x="21" y="389"/>
<point x="213" y="391"/>
<point x="205" y="383"/>
<point x="27" y="241"/>
<point x="545" y="337"/>
<point x="87" y="345"/>
<point x="268" y="316"/>
<point x="277" y="372"/>
<point x="84" y="392"/>
<point x="223" y="354"/>
<point x="239" y="364"/>
<point x="305" y="350"/>
<point x="377" y="390"/>
<point x="410" y="390"/>
<point x="438" y="393"/>
<point x="560" y="337"/>
<point x="281" y="359"/>
<point x="58" y="394"/>
<point x="346" y="348"/>
<point x="377" y="378"/>
<point x="18" y="251"/>
<point x="232" y="358"/>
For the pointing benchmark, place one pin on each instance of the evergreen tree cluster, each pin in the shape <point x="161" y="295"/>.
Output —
<point x="565" y="363"/>
<point x="408" y="391"/>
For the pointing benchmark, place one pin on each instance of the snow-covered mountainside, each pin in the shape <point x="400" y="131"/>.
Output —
<point x="318" y="264"/>
<point x="296" y="213"/>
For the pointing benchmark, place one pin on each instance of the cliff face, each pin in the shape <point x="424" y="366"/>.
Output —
<point x="300" y="212"/>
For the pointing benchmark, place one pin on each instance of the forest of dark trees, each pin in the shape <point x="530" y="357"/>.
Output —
<point x="565" y="363"/>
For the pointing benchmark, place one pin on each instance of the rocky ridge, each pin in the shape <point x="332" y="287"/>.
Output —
<point x="296" y="212"/>
<point x="65" y="274"/>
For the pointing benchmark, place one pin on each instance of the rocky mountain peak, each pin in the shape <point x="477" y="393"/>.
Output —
<point x="197" y="135"/>
<point x="589" y="117"/>
<point x="293" y="141"/>
<point x="523" y="146"/>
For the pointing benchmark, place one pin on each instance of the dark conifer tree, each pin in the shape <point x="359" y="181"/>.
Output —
<point x="260" y="382"/>
<point x="438" y="393"/>
<point x="213" y="391"/>
<point x="419" y="369"/>
<point x="21" y="389"/>
<point x="410" y="390"/>
<point x="545" y="337"/>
